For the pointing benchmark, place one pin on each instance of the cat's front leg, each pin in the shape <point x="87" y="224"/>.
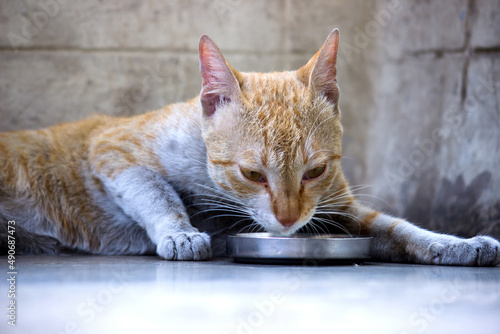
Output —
<point x="153" y="203"/>
<point x="400" y="241"/>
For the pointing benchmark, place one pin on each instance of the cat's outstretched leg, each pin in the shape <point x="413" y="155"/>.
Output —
<point x="153" y="203"/>
<point x="397" y="240"/>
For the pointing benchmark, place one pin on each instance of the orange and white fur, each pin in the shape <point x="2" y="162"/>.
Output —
<point x="261" y="145"/>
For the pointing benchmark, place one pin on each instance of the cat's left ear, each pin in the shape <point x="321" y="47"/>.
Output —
<point x="320" y="73"/>
<point x="219" y="83"/>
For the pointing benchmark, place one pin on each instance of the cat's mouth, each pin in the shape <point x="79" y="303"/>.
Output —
<point x="286" y="231"/>
<point x="271" y="223"/>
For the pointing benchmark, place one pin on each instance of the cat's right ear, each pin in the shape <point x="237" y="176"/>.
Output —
<point x="320" y="73"/>
<point x="219" y="84"/>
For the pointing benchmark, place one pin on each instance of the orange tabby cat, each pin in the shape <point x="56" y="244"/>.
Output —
<point x="265" y="146"/>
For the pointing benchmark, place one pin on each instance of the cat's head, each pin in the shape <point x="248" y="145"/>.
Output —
<point x="273" y="139"/>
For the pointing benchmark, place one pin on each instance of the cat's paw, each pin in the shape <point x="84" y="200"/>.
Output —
<point x="477" y="251"/>
<point x="185" y="246"/>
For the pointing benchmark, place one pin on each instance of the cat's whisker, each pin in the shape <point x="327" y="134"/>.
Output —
<point x="346" y="194"/>
<point x="217" y="198"/>
<point x="341" y="214"/>
<point x="364" y="185"/>
<point x="315" y="230"/>
<point x="226" y="215"/>
<point x="333" y="223"/>
<point x="350" y="189"/>
<point x="239" y="213"/>
<point x="331" y="204"/>
<point x="253" y="227"/>
<point x="314" y="222"/>
<point x="220" y="198"/>
<point x="341" y="202"/>
<point x="239" y="221"/>
<point x="340" y="205"/>
<point x="216" y="206"/>
<point x="310" y="228"/>
<point x="354" y="189"/>
<point x="225" y="230"/>
<point x="338" y="213"/>
<point x="211" y="217"/>
<point x="221" y="204"/>
<point x="339" y="225"/>
<point x="324" y="231"/>
<point x="202" y="201"/>
<point x="219" y="192"/>
<point x="208" y="200"/>
<point x="357" y="186"/>
<point x="335" y="199"/>
<point x="339" y="192"/>
<point x="374" y="197"/>
<point x="257" y="228"/>
<point x="305" y="229"/>
<point x="213" y="207"/>
<point x="319" y="230"/>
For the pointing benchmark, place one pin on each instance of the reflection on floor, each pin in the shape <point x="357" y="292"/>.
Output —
<point x="112" y="294"/>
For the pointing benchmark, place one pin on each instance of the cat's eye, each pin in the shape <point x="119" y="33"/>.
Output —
<point x="252" y="175"/>
<point x="315" y="172"/>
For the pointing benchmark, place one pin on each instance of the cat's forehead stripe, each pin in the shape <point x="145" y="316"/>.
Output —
<point x="276" y="108"/>
<point x="220" y="162"/>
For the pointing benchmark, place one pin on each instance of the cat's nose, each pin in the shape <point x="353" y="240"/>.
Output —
<point x="287" y="220"/>
<point x="285" y="209"/>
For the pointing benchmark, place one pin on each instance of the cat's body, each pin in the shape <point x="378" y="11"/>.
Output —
<point x="59" y="181"/>
<point x="259" y="146"/>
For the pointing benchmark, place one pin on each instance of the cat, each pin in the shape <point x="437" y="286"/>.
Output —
<point x="265" y="146"/>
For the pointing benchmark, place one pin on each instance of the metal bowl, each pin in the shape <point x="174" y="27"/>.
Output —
<point x="298" y="248"/>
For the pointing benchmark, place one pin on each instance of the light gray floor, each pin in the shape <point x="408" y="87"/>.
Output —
<point x="104" y="294"/>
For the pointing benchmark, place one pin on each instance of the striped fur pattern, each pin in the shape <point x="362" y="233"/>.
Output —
<point x="259" y="146"/>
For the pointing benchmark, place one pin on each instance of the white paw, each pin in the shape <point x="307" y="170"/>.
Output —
<point x="477" y="251"/>
<point x="185" y="246"/>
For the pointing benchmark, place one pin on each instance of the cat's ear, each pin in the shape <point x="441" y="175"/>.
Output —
<point x="320" y="73"/>
<point x="219" y="83"/>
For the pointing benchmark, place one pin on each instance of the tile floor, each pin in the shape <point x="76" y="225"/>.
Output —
<point x="105" y="294"/>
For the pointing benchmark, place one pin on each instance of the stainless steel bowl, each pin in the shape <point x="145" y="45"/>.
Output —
<point x="299" y="248"/>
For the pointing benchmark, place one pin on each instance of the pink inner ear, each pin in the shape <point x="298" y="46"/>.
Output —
<point x="324" y="74"/>
<point x="218" y="82"/>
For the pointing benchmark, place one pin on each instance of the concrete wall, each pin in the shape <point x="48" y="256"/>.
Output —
<point x="434" y="142"/>
<point x="419" y="81"/>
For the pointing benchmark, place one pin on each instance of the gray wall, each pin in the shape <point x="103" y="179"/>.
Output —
<point x="419" y="82"/>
